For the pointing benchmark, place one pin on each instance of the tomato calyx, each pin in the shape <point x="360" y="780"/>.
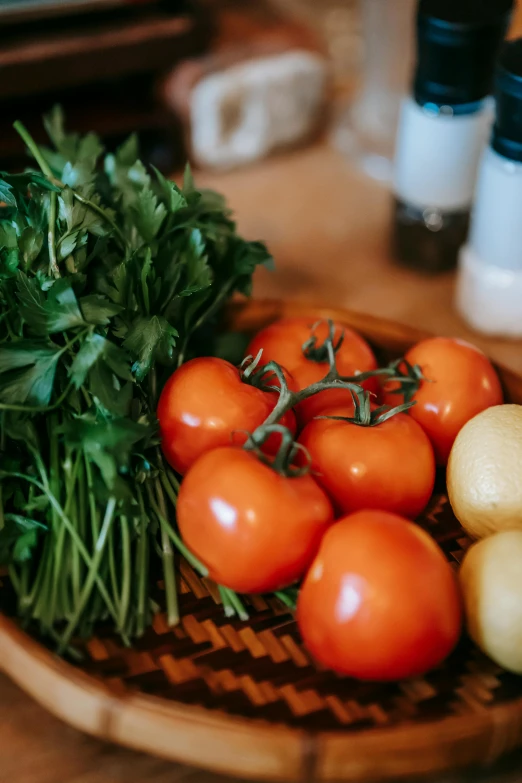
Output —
<point x="284" y="461"/>
<point x="256" y="374"/>
<point x="322" y="353"/>
<point x="325" y="353"/>
<point x="407" y="376"/>
<point x="366" y="416"/>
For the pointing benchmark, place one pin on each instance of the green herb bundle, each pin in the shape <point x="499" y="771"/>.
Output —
<point x="108" y="274"/>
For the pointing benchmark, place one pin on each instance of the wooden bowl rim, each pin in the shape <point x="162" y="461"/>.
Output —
<point x="298" y="754"/>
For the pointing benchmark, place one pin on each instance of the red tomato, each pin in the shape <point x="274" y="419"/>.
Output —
<point x="389" y="466"/>
<point x="380" y="601"/>
<point x="462" y="384"/>
<point x="255" y="530"/>
<point x="282" y="342"/>
<point x="205" y="404"/>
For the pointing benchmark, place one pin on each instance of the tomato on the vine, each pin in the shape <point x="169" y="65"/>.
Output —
<point x="206" y="404"/>
<point x="255" y="530"/>
<point x="388" y="466"/>
<point x="460" y="382"/>
<point x="283" y="342"/>
<point x="380" y="601"/>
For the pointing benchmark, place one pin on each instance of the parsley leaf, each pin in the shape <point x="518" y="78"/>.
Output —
<point x="55" y="311"/>
<point x="149" y="214"/>
<point x="30" y="244"/>
<point x="96" y="348"/>
<point x="172" y="195"/>
<point x="198" y="273"/>
<point x="6" y="194"/>
<point x="21" y="182"/>
<point x="34" y="383"/>
<point x="97" y="309"/>
<point x="8" y="238"/>
<point x="150" y="340"/>
<point x="18" y="538"/>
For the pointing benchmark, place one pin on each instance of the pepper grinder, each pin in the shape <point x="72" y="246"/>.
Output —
<point x="489" y="289"/>
<point x="444" y="127"/>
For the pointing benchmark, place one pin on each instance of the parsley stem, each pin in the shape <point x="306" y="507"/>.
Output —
<point x="171" y="489"/>
<point x="167" y="555"/>
<point x="43" y="486"/>
<point x="126" y="570"/>
<point x="168" y="561"/>
<point x="233" y="600"/>
<point x="92" y="574"/>
<point x="167" y="486"/>
<point x="57" y="531"/>
<point x="113" y="577"/>
<point x="81" y="503"/>
<point x="15" y="581"/>
<point x="286" y="599"/>
<point x="142" y="567"/>
<point x="32" y="147"/>
<point x="67" y="565"/>
<point x="51" y="236"/>
<point x="228" y="609"/>
<point x="172" y="479"/>
<point x="95" y="532"/>
<point x="182" y="549"/>
<point x="27" y="600"/>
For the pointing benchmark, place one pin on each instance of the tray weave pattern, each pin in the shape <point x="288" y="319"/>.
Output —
<point x="259" y="669"/>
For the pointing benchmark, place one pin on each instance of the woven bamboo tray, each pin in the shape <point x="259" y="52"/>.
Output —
<point x="246" y="700"/>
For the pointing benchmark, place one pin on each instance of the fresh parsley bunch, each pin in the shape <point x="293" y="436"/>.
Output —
<point x="108" y="272"/>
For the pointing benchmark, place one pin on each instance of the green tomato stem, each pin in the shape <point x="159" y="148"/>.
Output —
<point x="289" y="399"/>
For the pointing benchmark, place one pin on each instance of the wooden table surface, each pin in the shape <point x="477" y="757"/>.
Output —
<point x="327" y="227"/>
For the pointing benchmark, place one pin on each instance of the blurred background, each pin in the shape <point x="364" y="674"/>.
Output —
<point x="289" y="107"/>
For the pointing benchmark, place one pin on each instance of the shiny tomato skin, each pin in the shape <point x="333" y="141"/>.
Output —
<point x="389" y="466"/>
<point x="462" y="383"/>
<point x="380" y="602"/>
<point x="205" y="404"/>
<point x="255" y="530"/>
<point x="282" y="342"/>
